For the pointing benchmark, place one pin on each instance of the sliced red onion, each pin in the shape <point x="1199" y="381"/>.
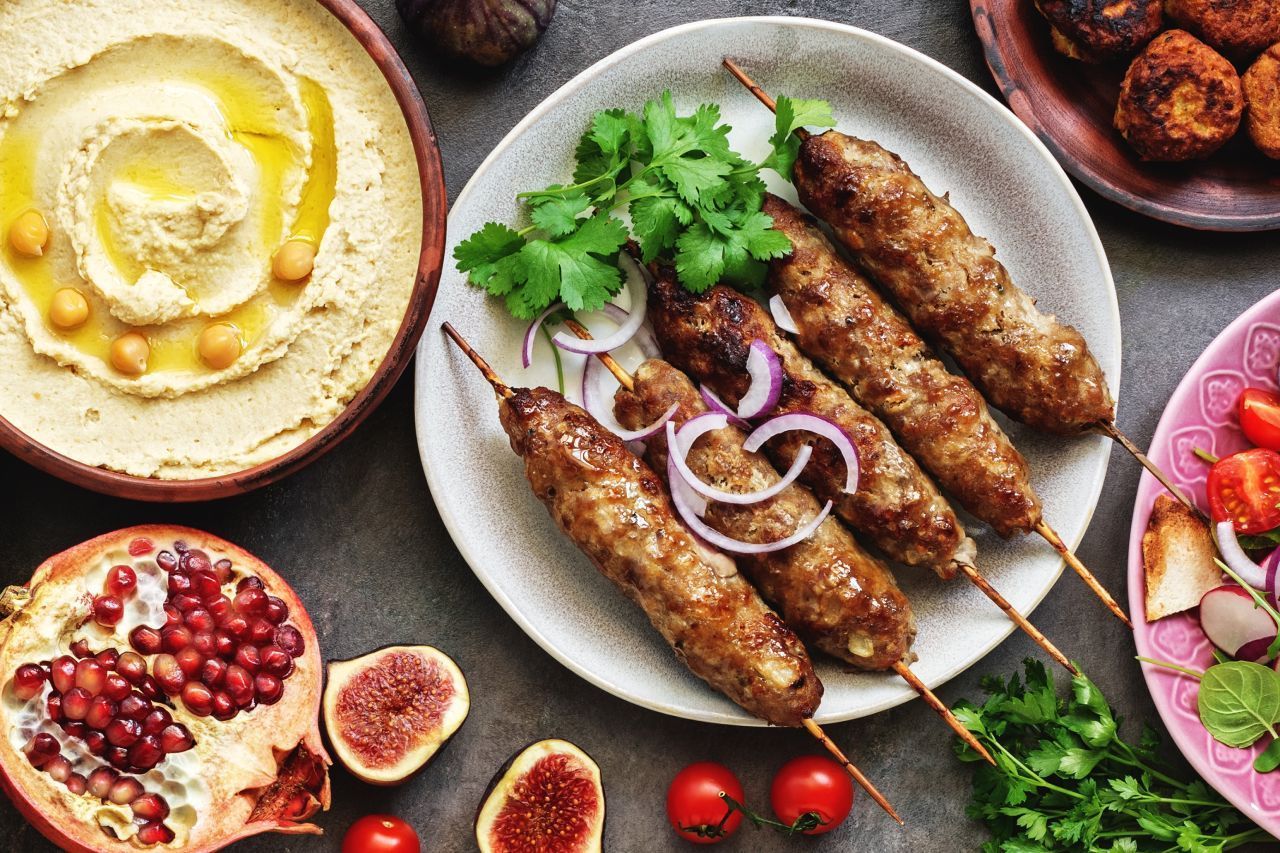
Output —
<point x="719" y="406"/>
<point x="526" y="356"/>
<point x="624" y="333"/>
<point x="781" y="315"/>
<point x="644" y="338"/>
<point x="679" y="443"/>
<point x="682" y="493"/>
<point x="1270" y="563"/>
<point x="602" y="411"/>
<point x="1235" y="557"/>
<point x="766" y="381"/>
<point x="814" y="424"/>
<point x="679" y="497"/>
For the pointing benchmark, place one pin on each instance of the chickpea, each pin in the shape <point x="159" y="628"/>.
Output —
<point x="29" y="234"/>
<point x="220" y="345"/>
<point x="294" y="261"/>
<point x="68" y="309"/>
<point x="129" y="354"/>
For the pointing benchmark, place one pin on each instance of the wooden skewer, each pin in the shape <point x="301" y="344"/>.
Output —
<point x="504" y="391"/>
<point x="1109" y="428"/>
<point x="1018" y="619"/>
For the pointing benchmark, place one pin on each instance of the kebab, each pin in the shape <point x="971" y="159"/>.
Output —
<point x="947" y="280"/>
<point x="611" y="505"/>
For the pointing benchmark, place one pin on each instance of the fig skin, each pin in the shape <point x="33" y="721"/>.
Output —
<point x="594" y="841"/>
<point x="486" y="32"/>
<point x="343" y="672"/>
<point x="45" y="808"/>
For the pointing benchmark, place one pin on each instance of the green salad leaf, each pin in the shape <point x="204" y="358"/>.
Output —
<point x="1239" y="702"/>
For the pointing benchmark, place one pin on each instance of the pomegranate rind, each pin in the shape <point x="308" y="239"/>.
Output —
<point x="504" y="783"/>
<point x="243" y="754"/>
<point x="428" y="742"/>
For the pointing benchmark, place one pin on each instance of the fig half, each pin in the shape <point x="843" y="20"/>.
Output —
<point x="546" y="799"/>
<point x="389" y="711"/>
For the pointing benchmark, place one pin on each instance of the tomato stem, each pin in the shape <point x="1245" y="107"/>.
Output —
<point x="1205" y="455"/>
<point x="805" y="823"/>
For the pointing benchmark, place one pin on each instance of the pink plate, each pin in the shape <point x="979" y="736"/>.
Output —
<point x="1201" y="413"/>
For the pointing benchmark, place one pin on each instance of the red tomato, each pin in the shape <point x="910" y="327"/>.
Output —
<point x="812" y="783"/>
<point x="1244" y="488"/>
<point x="1260" y="417"/>
<point x="694" y="806"/>
<point x="380" y="833"/>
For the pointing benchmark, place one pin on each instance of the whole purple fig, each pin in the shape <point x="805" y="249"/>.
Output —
<point x="489" y="32"/>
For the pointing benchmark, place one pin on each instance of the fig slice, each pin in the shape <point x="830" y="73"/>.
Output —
<point x="388" y="712"/>
<point x="547" y="799"/>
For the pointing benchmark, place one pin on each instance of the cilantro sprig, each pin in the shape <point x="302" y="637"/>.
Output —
<point x="689" y="196"/>
<point x="1065" y="779"/>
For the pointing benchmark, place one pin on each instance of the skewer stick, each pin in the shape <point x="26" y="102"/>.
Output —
<point x="499" y="386"/>
<point x="816" y="731"/>
<point x="1109" y="428"/>
<point x="1051" y="536"/>
<point x="931" y="699"/>
<point x="1018" y="619"/>
<point x="619" y="373"/>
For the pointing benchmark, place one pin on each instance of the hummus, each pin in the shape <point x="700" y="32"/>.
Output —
<point x="172" y="147"/>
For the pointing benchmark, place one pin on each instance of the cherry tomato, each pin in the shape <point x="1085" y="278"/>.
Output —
<point x="1244" y="488"/>
<point x="694" y="806"/>
<point x="380" y="833"/>
<point x="1260" y="417"/>
<point x="812" y="783"/>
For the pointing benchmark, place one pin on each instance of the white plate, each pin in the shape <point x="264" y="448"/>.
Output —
<point x="958" y="139"/>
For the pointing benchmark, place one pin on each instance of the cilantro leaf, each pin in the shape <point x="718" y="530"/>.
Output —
<point x="791" y="115"/>
<point x="558" y="215"/>
<point x="573" y="267"/>
<point x="699" y="258"/>
<point x="485" y="254"/>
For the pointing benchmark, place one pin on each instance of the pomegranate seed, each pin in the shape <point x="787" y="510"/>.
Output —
<point x="181" y="546"/>
<point x="80" y="648"/>
<point x="168" y="674"/>
<point x="146" y="640"/>
<point x="28" y="681"/>
<point x="135" y="706"/>
<point x="198" y="698"/>
<point x="189" y="661"/>
<point x="125" y="791"/>
<point x="290" y="639"/>
<point x="131" y="664"/>
<point x="101" y="712"/>
<point x="219" y="608"/>
<point x="175" y="639"/>
<point x="250" y="582"/>
<point x="276" y="661"/>
<point x="236" y="626"/>
<point x="247" y="656"/>
<point x="155" y="833"/>
<point x="76" y="783"/>
<point x="108" y="658"/>
<point x="157" y="721"/>
<point x="59" y="768"/>
<point x="146" y="753"/>
<point x="123" y="732"/>
<point x="224" y="707"/>
<point x="75" y="729"/>
<point x="96" y="742"/>
<point x="101" y="780"/>
<point x="91" y="676"/>
<point x="213" y="672"/>
<point x="225" y="645"/>
<point x="207" y="586"/>
<point x="251" y="601"/>
<point x="179" y="583"/>
<point x="150" y="807"/>
<point x="171" y="616"/>
<point x="205" y="643"/>
<point x="121" y="581"/>
<point x="75" y="703"/>
<point x="200" y="620"/>
<point x="267" y="688"/>
<point x="223" y="570"/>
<point x="108" y="610"/>
<point x="41" y="749"/>
<point x="239" y="684"/>
<point x="63" y="673"/>
<point x="53" y="706"/>
<point x="261" y="632"/>
<point x="167" y="560"/>
<point x="140" y="546"/>
<point x="176" y="738"/>
<point x="197" y="562"/>
<point x="185" y="601"/>
<point x="150" y="688"/>
<point x="115" y="687"/>
<point x="117" y="757"/>
<point x="277" y="610"/>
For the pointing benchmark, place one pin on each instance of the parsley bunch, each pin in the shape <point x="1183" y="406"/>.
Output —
<point x="1066" y="780"/>
<point x="688" y="195"/>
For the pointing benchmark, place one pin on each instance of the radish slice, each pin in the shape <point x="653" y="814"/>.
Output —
<point x="625" y="332"/>
<point x="719" y="406"/>
<point x="817" y="425"/>
<point x="679" y="496"/>
<point x="766" y="381"/>
<point x="782" y="316"/>
<point x="526" y="354"/>
<point x="603" y="412"/>
<point x="1235" y="557"/>
<point x="1234" y="623"/>
<point x="680" y="443"/>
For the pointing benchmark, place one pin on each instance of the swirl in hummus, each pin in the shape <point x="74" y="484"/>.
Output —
<point x="211" y="221"/>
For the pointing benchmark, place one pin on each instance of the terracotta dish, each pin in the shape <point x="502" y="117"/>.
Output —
<point x="1070" y="105"/>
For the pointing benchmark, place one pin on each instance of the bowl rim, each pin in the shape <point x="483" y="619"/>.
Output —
<point x="393" y="364"/>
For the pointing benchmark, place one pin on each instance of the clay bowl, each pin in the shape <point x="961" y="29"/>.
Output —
<point x="1069" y="105"/>
<point x="434" y="208"/>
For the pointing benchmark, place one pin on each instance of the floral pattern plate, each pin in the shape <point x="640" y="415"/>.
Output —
<point x="1202" y="413"/>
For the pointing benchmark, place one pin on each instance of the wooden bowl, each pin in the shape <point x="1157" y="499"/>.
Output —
<point x="1070" y="105"/>
<point x="434" y="209"/>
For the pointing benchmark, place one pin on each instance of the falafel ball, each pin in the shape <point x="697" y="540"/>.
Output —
<point x="1101" y="30"/>
<point x="1262" y="95"/>
<point x="1237" y="28"/>
<point x="1180" y="99"/>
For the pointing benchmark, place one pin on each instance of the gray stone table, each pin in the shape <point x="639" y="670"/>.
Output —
<point x="358" y="536"/>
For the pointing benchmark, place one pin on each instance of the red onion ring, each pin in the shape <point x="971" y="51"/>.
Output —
<point x="625" y="332"/>
<point x="1271" y="562"/>
<point x="526" y="353"/>
<point x="781" y="315"/>
<point x="766" y="381"/>
<point x="679" y="496"/>
<point x="680" y="442"/>
<point x="1235" y="557"/>
<point x="645" y="339"/>
<point x="817" y="425"/>
<point x="719" y="406"/>
<point x="603" y="412"/>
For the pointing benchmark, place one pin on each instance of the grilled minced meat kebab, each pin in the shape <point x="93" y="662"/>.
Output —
<point x="613" y="507"/>
<point x="834" y="594"/>
<point x="948" y="281"/>
<point x="896" y="506"/>
<point x="940" y="418"/>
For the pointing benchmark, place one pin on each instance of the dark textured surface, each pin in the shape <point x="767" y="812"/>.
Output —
<point x="358" y="537"/>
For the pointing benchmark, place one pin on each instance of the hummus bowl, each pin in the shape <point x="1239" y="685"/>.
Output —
<point x="221" y="231"/>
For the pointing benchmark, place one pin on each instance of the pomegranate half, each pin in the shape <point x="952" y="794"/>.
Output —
<point x="159" y="687"/>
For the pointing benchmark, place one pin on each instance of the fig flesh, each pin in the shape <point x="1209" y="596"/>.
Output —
<point x="547" y="799"/>
<point x="388" y="712"/>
